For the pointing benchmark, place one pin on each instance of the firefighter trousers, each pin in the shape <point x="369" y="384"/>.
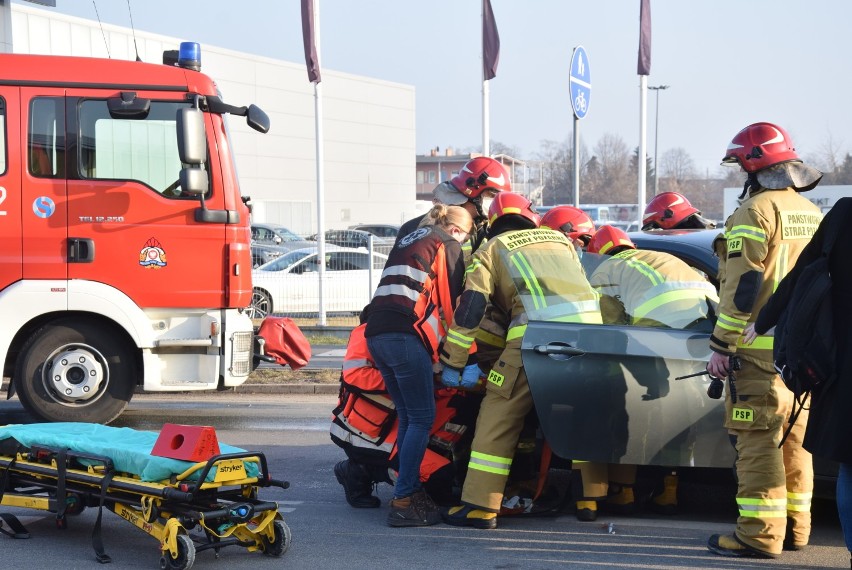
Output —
<point x="596" y="477"/>
<point x="498" y="426"/>
<point x="774" y="485"/>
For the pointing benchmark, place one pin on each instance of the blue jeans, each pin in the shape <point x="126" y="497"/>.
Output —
<point x="844" y="501"/>
<point x="407" y="370"/>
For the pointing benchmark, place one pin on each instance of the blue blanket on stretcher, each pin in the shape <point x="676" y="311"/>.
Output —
<point x="129" y="449"/>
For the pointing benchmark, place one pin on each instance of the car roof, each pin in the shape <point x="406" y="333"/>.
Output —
<point x="693" y="246"/>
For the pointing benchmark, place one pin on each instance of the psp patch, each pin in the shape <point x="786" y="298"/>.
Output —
<point x="496" y="378"/>
<point x="742" y="415"/>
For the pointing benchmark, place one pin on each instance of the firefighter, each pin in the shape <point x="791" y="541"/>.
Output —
<point x="638" y="288"/>
<point x="672" y="211"/>
<point x="473" y="188"/>
<point x="406" y="322"/>
<point x="761" y="242"/>
<point x="364" y="425"/>
<point x="524" y="272"/>
<point x="573" y="222"/>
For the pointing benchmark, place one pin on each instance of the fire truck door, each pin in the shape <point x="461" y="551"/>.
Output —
<point x="43" y="205"/>
<point x="133" y="227"/>
<point x="11" y="238"/>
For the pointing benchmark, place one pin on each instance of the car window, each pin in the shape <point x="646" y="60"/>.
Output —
<point x="651" y="289"/>
<point x="348" y="261"/>
<point x="285" y="261"/>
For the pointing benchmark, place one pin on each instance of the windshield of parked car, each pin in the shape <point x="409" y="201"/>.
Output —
<point x="286" y="260"/>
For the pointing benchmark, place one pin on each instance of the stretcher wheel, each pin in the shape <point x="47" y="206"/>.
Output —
<point x="186" y="555"/>
<point x="281" y="542"/>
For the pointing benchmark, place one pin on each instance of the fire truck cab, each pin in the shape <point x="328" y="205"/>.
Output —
<point x="125" y="258"/>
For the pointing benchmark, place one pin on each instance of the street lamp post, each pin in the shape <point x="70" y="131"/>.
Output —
<point x="657" y="88"/>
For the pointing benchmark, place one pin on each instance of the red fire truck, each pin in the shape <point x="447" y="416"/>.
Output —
<point x="125" y="258"/>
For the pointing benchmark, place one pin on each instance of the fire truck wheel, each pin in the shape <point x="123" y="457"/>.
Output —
<point x="261" y="304"/>
<point x="75" y="370"/>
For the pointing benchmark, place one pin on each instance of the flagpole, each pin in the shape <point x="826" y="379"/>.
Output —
<point x="486" y="135"/>
<point x="318" y="122"/>
<point x="642" y="165"/>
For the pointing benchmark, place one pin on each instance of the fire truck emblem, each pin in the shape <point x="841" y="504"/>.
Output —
<point x="152" y="255"/>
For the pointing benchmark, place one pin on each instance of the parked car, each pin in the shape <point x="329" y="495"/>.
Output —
<point x="609" y="392"/>
<point x="381" y="230"/>
<point x="271" y="241"/>
<point x="290" y="284"/>
<point x="357" y="238"/>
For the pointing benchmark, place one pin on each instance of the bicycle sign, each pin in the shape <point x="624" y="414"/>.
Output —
<point x="580" y="82"/>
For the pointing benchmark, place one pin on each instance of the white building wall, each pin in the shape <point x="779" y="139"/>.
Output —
<point x="368" y="123"/>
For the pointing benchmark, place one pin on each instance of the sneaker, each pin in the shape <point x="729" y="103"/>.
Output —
<point x="587" y="511"/>
<point x="404" y="512"/>
<point x="730" y="545"/>
<point x="427" y="507"/>
<point x="465" y="515"/>
<point x="356" y="485"/>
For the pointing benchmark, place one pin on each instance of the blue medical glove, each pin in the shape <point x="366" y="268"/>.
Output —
<point x="470" y="376"/>
<point x="451" y="377"/>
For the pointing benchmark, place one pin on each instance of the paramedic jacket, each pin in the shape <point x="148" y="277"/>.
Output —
<point x="419" y="286"/>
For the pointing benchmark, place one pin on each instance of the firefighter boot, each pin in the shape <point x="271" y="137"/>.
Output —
<point x="666" y="502"/>
<point x="587" y="511"/>
<point x="465" y="515"/>
<point x="620" y="499"/>
<point x="357" y="485"/>
<point x="790" y="539"/>
<point x="730" y="545"/>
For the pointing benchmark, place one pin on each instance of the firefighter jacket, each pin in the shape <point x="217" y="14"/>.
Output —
<point x="416" y="294"/>
<point x="364" y="421"/>
<point x="523" y="275"/>
<point x="652" y="288"/>
<point x="761" y="242"/>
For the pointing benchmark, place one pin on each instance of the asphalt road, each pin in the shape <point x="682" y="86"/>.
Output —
<point x="292" y="430"/>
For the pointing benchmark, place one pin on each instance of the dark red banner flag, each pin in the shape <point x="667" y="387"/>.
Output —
<point x="644" y="65"/>
<point x="308" y="36"/>
<point x="490" y="42"/>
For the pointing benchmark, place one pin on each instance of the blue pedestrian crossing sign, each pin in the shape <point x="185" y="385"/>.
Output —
<point x="580" y="82"/>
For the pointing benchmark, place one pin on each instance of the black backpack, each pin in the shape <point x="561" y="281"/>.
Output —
<point x="805" y="349"/>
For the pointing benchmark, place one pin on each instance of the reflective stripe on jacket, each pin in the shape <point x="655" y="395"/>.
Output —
<point x="421" y="281"/>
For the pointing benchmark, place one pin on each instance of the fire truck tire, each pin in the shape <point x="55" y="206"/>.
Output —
<point x="75" y="370"/>
<point x="261" y="304"/>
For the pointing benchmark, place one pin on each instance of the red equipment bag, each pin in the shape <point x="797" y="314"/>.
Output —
<point x="285" y="342"/>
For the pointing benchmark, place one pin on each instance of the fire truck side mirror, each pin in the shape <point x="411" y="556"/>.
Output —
<point x="192" y="143"/>
<point x="257" y="119"/>
<point x="194" y="180"/>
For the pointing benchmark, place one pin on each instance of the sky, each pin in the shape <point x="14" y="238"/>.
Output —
<point x="728" y="63"/>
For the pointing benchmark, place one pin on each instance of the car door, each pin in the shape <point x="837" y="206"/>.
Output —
<point x="609" y="393"/>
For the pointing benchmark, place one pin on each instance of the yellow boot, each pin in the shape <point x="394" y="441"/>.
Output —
<point x="666" y="502"/>
<point x="587" y="511"/>
<point x="620" y="499"/>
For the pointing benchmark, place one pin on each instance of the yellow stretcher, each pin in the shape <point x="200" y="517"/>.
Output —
<point x="210" y="505"/>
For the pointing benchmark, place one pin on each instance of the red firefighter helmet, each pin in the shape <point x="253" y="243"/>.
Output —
<point x="507" y="203"/>
<point x="571" y="221"/>
<point x="481" y="174"/>
<point x="608" y="238"/>
<point x="667" y="210"/>
<point x="760" y="146"/>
